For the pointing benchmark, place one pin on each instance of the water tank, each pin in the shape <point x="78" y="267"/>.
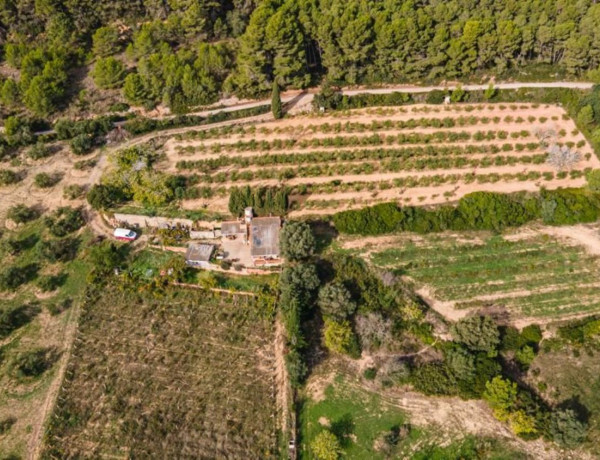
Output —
<point x="248" y="214"/>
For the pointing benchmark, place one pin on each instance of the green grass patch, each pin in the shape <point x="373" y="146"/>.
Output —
<point x="356" y="416"/>
<point x="362" y="420"/>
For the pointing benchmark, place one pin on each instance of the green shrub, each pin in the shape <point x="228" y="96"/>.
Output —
<point x="49" y="283"/>
<point x="9" y="177"/>
<point x="15" y="247"/>
<point x="263" y="200"/>
<point x="65" y="220"/>
<point x="104" y="196"/>
<point x="56" y="308"/>
<point x="45" y="180"/>
<point x="6" y="424"/>
<point x="434" y="378"/>
<point x="73" y="191"/>
<point x="33" y="363"/>
<point x="567" y="429"/>
<point x="476" y="211"/>
<point x="15" y="276"/>
<point x="82" y="144"/>
<point x="59" y="250"/>
<point x="370" y="373"/>
<point x="39" y="151"/>
<point x="21" y="214"/>
<point x="436" y="97"/>
<point x="12" y="318"/>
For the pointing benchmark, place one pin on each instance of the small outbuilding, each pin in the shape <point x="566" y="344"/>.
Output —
<point x="233" y="229"/>
<point x="198" y="255"/>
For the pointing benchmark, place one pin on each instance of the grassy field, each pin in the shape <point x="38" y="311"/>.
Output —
<point x="183" y="376"/>
<point x="361" y="419"/>
<point x="357" y="417"/>
<point x="537" y="276"/>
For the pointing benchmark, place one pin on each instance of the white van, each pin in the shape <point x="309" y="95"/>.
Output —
<point x="125" y="234"/>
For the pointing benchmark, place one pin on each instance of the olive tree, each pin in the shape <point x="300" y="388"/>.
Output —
<point x="336" y="302"/>
<point x="297" y="241"/>
<point x="566" y="429"/>
<point x="478" y="333"/>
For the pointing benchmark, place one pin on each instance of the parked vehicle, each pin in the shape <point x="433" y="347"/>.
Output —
<point x="124" y="234"/>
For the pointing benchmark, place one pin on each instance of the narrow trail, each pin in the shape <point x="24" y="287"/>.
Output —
<point x="35" y="443"/>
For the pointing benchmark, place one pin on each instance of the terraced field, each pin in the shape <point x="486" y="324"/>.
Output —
<point x="525" y="276"/>
<point x="414" y="154"/>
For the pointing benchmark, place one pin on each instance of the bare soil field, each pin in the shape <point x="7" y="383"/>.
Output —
<point x="184" y="376"/>
<point x="413" y="154"/>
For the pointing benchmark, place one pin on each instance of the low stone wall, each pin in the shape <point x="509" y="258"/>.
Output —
<point x="134" y="220"/>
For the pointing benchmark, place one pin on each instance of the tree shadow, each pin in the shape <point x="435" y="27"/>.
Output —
<point x="343" y="427"/>
<point x="582" y="412"/>
<point x="14" y="318"/>
<point x="324" y="234"/>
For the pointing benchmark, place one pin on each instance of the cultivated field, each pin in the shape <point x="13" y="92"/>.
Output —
<point x="523" y="275"/>
<point x="183" y="376"/>
<point x="414" y="154"/>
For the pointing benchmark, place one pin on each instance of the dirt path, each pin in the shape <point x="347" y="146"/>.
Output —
<point x="284" y="390"/>
<point x="584" y="236"/>
<point x="35" y="444"/>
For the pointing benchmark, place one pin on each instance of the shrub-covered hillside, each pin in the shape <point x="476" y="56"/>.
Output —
<point x="186" y="52"/>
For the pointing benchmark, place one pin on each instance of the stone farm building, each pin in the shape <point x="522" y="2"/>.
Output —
<point x="198" y="255"/>
<point x="260" y="233"/>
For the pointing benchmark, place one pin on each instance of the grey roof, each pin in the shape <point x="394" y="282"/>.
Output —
<point x="264" y="233"/>
<point x="199" y="252"/>
<point x="233" y="227"/>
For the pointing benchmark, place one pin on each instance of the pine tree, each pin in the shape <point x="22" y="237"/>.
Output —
<point x="276" y="102"/>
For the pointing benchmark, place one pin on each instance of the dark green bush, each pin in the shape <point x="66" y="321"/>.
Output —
<point x="17" y="246"/>
<point x="263" y="200"/>
<point x="59" y="250"/>
<point x="49" y="283"/>
<point x="65" y="220"/>
<point x="45" y="180"/>
<point x="436" y="97"/>
<point x="476" y="211"/>
<point x="434" y="379"/>
<point x="14" y="276"/>
<point x="104" y="196"/>
<point x="370" y="373"/>
<point x="39" y="151"/>
<point x="58" y="307"/>
<point x="9" y="177"/>
<point x="82" y="144"/>
<point x="21" y="214"/>
<point x="33" y="363"/>
<point x="12" y="318"/>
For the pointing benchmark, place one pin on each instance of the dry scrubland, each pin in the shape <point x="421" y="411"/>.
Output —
<point x="184" y="376"/>
<point x="524" y="275"/>
<point x="415" y="154"/>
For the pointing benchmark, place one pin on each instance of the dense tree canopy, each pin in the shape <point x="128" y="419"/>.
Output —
<point x="185" y="52"/>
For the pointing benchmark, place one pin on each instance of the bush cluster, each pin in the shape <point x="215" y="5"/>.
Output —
<point x="145" y="125"/>
<point x="476" y="211"/>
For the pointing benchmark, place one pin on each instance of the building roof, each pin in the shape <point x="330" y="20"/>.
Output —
<point x="199" y="252"/>
<point x="264" y="233"/>
<point x="232" y="227"/>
